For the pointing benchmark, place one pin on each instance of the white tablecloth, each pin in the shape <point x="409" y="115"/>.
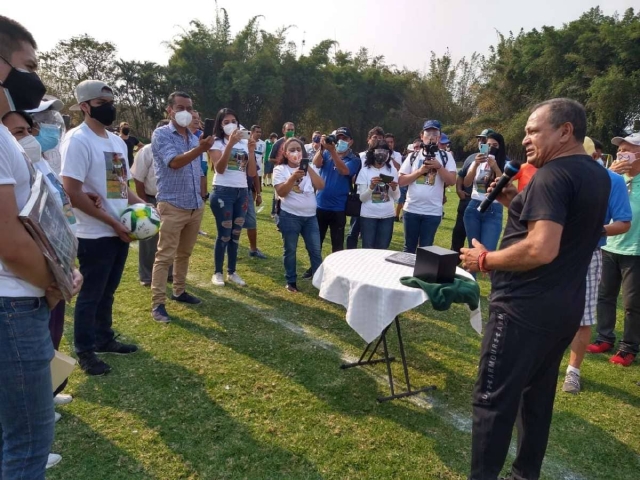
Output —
<point x="370" y="289"/>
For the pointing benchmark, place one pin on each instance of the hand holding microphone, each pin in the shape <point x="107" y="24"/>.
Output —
<point x="499" y="190"/>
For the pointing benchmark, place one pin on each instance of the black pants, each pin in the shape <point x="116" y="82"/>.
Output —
<point x="620" y="271"/>
<point x="354" y="234"/>
<point x="101" y="264"/>
<point x="459" y="235"/>
<point x="335" y="221"/>
<point x="516" y="384"/>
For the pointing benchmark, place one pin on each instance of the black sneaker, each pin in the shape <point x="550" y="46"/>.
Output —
<point x="118" y="348"/>
<point x="92" y="365"/>
<point x="307" y="275"/>
<point x="185" y="297"/>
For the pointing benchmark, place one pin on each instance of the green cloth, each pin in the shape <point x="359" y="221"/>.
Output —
<point x="442" y="295"/>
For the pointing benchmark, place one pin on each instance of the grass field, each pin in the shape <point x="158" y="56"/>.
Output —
<point x="247" y="385"/>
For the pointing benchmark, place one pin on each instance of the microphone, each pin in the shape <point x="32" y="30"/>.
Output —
<point x="510" y="169"/>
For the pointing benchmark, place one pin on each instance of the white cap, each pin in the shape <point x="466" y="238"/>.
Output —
<point x="48" y="102"/>
<point x="633" y="139"/>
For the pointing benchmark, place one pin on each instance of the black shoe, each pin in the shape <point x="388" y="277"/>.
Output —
<point x="118" y="348"/>
<point x="397" y="218"/>
<point x="292" y="287"/>
<point x="185" y="297"/>
<point x="92" y="365"/>
<point x="307" y="275"/>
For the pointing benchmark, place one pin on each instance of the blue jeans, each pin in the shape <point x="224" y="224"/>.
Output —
<point x="291" y="227"/>
<point x="354" y="234"/>
<point x="419" y="230"/>
<point x="484" y="227"/>
<point x="376" y="232"/>
<point x="26" y="400"/>
<point x="229" y="206"/>
<point x="101" y="264"/>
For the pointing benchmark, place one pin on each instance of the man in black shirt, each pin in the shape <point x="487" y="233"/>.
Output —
<point x="130" y="140"/>
<point x="538" y="290"/>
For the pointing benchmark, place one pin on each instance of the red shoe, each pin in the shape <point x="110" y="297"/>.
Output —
<point x="623" y="358"/>
<point x="599" y="347"/>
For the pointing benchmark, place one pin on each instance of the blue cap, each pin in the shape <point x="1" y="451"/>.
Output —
<point x="344" y="131"/>
<point x="444" y="138"/>
<point x="431" y="124"/>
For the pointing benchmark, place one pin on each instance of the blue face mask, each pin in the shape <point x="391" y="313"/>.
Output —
<point x="49" y="137"/>
<point x="342" y="146"/>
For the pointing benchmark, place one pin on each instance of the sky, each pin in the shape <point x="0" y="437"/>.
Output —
<point x="403" y="31"/>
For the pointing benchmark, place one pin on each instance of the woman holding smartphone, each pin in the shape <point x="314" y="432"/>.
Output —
<point x="487" y="166"/>
<point x="378" y="189"/>
<point x="233" y="160"/>
<point x="296" y="184"/>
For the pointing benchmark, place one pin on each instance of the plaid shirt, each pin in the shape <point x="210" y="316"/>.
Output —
<point x="179" y="187"/>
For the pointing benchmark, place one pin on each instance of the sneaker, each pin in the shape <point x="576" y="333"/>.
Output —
<point x="53" y="460"/>
<point x="92" y="365"/>
<point x="623" y="358"/>
<point x="571" y="383"/>
<point x="145" y="284"/>
<point x="204" y="234"/>
<point x="217" y="280"/>
<point x="257" y="254"/>
<point x="159" y="314"/>
<point x="307" y="274"/>
<point x="292" y="287"/>
<point x="599" y="347"/>
<point x="185" y="297"/>
<point x="62" y="399"/>
<point x="237" y="279"/>
<point x="117" y="347"/>
<point x="56" y="417"/>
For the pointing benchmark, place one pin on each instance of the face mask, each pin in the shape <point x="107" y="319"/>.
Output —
<point x="183" y="118"/>
<point x="49" y="137"/>
<point x="316" y="139"/>
<point x="342" y="146"/>
<point x="125" y="131"/>
<point x="294" y="158"/>
<point x="229" y="128"/>
<point x="289" y="134"/>
<point x="31" y="148"/>
<point x="105" y="113"/>
<point x="23" y="89"/>
<point x="380" y="156"/>
<point x="493" y="151"/>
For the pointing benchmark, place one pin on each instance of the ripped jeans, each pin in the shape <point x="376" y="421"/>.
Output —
<point x="229" y="207"/>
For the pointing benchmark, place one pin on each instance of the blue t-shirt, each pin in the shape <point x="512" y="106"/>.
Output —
<point x="619" y="208"/>
<point x="333" y="196"/>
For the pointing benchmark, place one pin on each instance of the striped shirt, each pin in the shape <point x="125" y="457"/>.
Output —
<point x="180" y="187"/>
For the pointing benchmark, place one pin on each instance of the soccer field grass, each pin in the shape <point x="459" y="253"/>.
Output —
<point x="247" y="385"/>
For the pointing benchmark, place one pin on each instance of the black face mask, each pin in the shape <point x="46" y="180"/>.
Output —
<point x="105" y="113"/>
<point x="25" y="88"/>
<point x="125" y="131"/>
<point x="493" y="151"/>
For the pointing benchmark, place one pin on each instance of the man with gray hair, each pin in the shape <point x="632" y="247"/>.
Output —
<point x="535" y="308"/>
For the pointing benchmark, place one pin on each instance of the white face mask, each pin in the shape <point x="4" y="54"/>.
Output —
<point x="229" y="128"/>
<point x="183" y="118"/>
<point x="294" y="158"/>
<point x="32" y="148"/>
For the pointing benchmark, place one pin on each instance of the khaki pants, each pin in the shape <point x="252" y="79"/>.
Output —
<point x="178" y="235"/>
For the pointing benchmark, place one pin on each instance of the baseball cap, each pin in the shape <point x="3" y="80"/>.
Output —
<point x="633" y="139"/>
<point x="444" y="138"/>
<point x="90" y="89"/>
<point x="48" y="102"/>
<point x="343" y="131"/>
<point x="431" y="124"/>
<point x="485" y="132"/>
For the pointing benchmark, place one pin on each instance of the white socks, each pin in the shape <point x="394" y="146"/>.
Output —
<point x="573" y="369"/>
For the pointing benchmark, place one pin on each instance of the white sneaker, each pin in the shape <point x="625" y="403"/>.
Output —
<point x="56" y="417"/>
<point x="53" y="460"/>
<point x="217" y="280"/>
<point x="62" y="399"/>
<point x="235" y="278"/>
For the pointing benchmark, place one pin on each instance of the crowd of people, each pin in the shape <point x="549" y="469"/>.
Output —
<point x="572" y="238"/>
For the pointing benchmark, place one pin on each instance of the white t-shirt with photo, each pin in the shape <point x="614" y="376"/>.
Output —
<point x="101" y="165"/>
<point x="15" y="170"/>
<point x="381" y="204"/>
<point x="483" y="172"/>
<point x="236" y="173"/>
<point x="301" y="200"/>
<point x="424" y="196"/>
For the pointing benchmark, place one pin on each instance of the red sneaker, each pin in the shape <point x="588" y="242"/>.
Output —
<point x="599" y="347"/>
<point x="623" y="358"/>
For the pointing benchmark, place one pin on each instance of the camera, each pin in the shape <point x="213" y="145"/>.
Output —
<point x="330" y="139"/>
<point x="429" y="150"/>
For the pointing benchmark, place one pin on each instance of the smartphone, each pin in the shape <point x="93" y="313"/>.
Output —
<point x="245" y="134"/>
<point x="208" y="127"/>
<point x="304" y="165"/>
<point x="386" y="178"/>
<point x="484" y="149"/>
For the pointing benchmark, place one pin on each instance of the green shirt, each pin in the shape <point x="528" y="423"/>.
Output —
<point x="629" y="243"/>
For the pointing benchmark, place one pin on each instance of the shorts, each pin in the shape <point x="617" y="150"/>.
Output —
<point x="593" y="281"/>
<point x="403" y="195"/>
<point x="268" y="167"/>
<point x="250" y="221"/>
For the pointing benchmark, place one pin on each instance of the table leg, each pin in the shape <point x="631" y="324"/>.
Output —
<point x="369" y="361"/>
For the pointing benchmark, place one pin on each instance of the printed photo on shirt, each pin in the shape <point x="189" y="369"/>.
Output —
<point x="238" y="160"/>
<point x="380" y="193"/>
<point x="296" y="187"/>
<point x="481" y="182"/>
<point x="116" y="175"/>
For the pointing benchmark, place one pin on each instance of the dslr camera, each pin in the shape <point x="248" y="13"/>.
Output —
<point x="429" y="150"/>
<point x="330" y="139"/>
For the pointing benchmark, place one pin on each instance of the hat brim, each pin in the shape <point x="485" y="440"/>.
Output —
<point x="55" y="104"/>
<point x="75" y="108"/>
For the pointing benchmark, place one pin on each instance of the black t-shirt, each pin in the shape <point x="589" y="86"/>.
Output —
<point x="574" y="192"/>
<point x="276" y="148"/>
<point x="131" y="142"/>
